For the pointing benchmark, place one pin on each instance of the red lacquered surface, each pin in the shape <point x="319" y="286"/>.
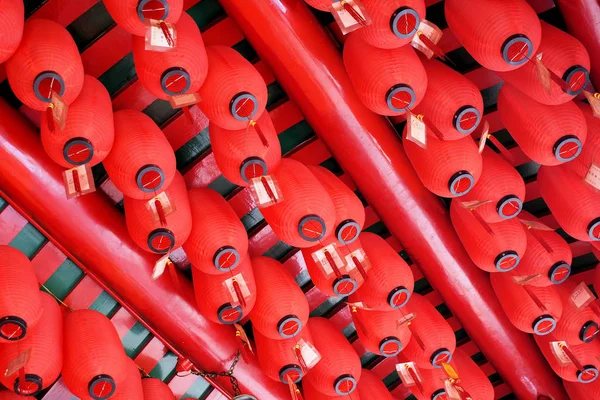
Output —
<point x="310" y="69"/>
<point x="30" y="179"/>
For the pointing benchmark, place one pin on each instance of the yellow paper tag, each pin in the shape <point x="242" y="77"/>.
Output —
<point x="450" y="371"/>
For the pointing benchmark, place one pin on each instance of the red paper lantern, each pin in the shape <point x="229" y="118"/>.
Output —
<point x="234" y="92"/>
<point x="446" y="168"/>
<point x="311" y="393"/>
<point x="380" y="332"/>
<point x="151" y="223"/>
<point x="132" y="388"/>
<point x="281" y="310"/>
<point x="95" y="364"/>
<point x="581" y="391"/>
<point x="155" y="389"/>
<point x="499" y="35"/>
<point x="218" y="240"/>
<point x="141" y="162"/>
<point x="89" y="131"/>
<point x="241" y="154"/>
<point x="12" y="20"/>
<point x="492" y="247"/>
<point x="549" y="135"/>
<point x="585" y="355"/>
<point x="349" y="211"/>
<point x="553" y="267"/>
<point x="47" y="60"/>
<point x="45" y="342"/>
<point x="530" y="309"/>
<point x="323" y="5"/>
<point x="307" y="214"/>
<point x="472" y="379"/>
<point x="563" y="55"/>
<point x="390" y="282"/>
<point x="574" y="203"/>
<point x="343" y="282"/>
<point x="394" y="23"/>
<point x="179" y="71"/>
<point x="500" y="191"/>
<point x="338" y="372"/>
<point x="388" y="82"/>
<point x="280" y="359"/>
<point x="133" y="15"/>
<point x="214" y="295"/>
<point x="452" y="103"/>
<point x="370" y="386"/>
<point x="590" y="154"/>
<point x="433" y="341"/>
<point x="578" y="325"/>
<point x="8" y="395"/>
<point x="20" y="301"/>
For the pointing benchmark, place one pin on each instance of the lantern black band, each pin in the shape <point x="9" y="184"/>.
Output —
<point x="312" y="228"/>
<point x="455" y="182"/>
<point x="398" y="297"/>
<point x="594" y="229"/>
<point x="440" y="356"/>
<point x="12" y="328"/>
<point x="242" y="97"/>
<point x="229" y="315"/>
<point x="80" y="146"/>
<point x="567" y="148"/>
<point x="161" y="241"/>
<point x="142" y="4"/>
<point x="345" y="384"/>
<point x="520" y="41"/>
<point x="576" y="72"/>
<point x="341" y="231"/>
<point x="43" y="76"/>
<point x="398" y="16"/>
<point x="289" y="326"/>
<point x="543" y="325"/>
<point x="462" y="113"/>
<point x="222" y="259"/>
<point x="509" y="255"/>
<point x="102" y="382"/>
<point x="438" y="394"/>
<point x="344" y="286"/>
<point x="253" y="167"/>
<point x="173" y="72"/>
<point x="559" y="272"/>
<point x="509" y="206"/>
<point x="153" y="172"/>
<point x="390" y="343"/>
<point x="400" y="90"/>
<point x="33" y="385"/>
<point x="588" y="331"/>
<point x="293" y="371"/>
<point x="588" y="375"/>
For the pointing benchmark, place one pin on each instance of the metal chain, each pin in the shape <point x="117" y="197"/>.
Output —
<point x="228" y="373"/>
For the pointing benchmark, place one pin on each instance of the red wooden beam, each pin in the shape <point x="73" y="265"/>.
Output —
<point x="98" y="241"/>
<point x="308" y="66"/>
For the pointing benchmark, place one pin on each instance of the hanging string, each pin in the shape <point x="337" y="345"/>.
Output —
<point x="62" y="303"/>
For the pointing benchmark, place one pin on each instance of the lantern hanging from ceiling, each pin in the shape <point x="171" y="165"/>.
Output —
<point x="575" y="390"/>
<point x="244" y="154"/>
<point x="282" y="359"/>
<point x="141" y="162"/>
<point x="530" y="309"/>
<point x="370" y="386"/>
<point x="155" y="389"/>
<point x="472" y="379"/>
<point x="574" y="203"/>
<point x="494" y="247"/>
<point x="306" y="214"/>
<point x="234" y="93"/>
<point x="12" y="20"/>
<point x="447" y="168"/>
<point x="95" y="364"/>
<point x="393" y="23"/>
<point x="500" y="36"/>
<point x="547" y="256"/>
<point x="564" y="56"/>
<point x="390" y="281"/>
<point x="500" y="191"/>
<point x="163" y="223"/>
<point x="134" y="15"/>
<point x="89" y="130"/>
<point x="132" y="388"/>
<point x="311" y="393"/>
<point x="338" y="372"/>
<point x="20" y="301"/>
<point x="179" y="71"/>
<point x="452" y="103"/>
<point x="578" y="325"/>
<point x="433" y="341"/>
<point x="331" y="274"/>
<point x="381" y="332"/>
<point x="349" y="211"/>
<point x="281" y="310"/>
<point x="549" y="135"/>
<point x="218" y="240"/>
<point x="220" y="299"/>
<point x="45" y="341"/>
<point x="590" y="154"/>
<point x="46" y="61"/>
<point x="388" y="82"/>
<point x="583" y="365"/>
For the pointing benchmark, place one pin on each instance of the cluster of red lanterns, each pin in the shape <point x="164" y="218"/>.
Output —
<point x="39" y="342"/>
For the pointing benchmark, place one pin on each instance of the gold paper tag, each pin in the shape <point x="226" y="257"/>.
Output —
<point x="450" y="371"/>
<point x="19" y="362"/>
<point x="184" y="100"/>
<point x="416" y="131"/>
<point x="160" y="266"/>
<point x="582" y="296"/>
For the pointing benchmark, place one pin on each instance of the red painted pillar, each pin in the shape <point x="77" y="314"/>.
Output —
<point x="583" y="21"/>
<point x="309" y="67"/>
<point x="91" y="229"/>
